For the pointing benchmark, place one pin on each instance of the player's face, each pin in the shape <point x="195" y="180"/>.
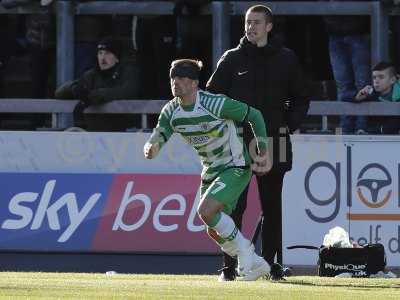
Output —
<point x="182" y="86"/>
<point x="383" y="81"/>
<point x="106" y="59"/>
<point x="257" y="28"/>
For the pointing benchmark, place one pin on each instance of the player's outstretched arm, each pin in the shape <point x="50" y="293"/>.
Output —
<point x="262" y="162"/>
<point x="241" y="112"/>
<point x="160" y="134"/>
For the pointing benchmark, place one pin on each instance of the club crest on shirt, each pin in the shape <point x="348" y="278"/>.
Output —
<point x="204" y="126"/>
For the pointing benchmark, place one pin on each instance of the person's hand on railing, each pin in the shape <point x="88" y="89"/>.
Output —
<point x="97" y="96"/>
<point x="80" y="91"/>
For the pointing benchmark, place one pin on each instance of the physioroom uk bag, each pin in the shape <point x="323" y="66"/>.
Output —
<point x="359" y="261"/>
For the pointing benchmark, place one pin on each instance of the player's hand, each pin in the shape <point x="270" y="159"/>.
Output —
<point x="364" y="93"/>
<point x="262" y="164"/>
<point x="151" y="150"/>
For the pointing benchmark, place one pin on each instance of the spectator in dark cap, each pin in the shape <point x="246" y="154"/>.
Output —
<point x="108" y="53"/>
<point x="109" y="80"/>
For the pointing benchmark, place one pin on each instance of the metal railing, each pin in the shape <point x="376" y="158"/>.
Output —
<point x="143" y="107"/>
<point x="58" y="108"/>
<point x="337" y="108"/>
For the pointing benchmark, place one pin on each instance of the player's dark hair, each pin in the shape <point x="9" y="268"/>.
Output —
<point x="186" y="68"/>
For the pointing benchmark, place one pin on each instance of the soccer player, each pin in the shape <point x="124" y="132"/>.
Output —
<point x="207" y="122"/>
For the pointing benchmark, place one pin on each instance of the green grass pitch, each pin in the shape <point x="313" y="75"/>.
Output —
<point x="31" y="285"/>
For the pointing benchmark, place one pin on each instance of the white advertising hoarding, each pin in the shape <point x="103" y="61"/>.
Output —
<point x="352" y="182"/>
<point x="95" y="152"/>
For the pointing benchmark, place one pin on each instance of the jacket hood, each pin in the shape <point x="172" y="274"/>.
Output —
<point x="273" y="46"/>
<point x="396" y="91"/>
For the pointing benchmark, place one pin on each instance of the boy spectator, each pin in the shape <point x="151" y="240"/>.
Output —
<point x="386" y="87"/>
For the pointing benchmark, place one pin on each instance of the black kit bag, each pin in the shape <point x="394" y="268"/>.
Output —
<point x="360" y="262"/>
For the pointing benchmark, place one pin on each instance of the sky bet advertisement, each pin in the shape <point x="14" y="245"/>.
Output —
<point x="100" y="212"/>
<point x="95" y="192"/>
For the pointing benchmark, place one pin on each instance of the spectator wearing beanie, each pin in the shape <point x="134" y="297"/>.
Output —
<point x="109" y="80"/>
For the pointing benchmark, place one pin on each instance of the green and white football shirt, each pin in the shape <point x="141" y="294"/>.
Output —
<point x="209" y="126"/>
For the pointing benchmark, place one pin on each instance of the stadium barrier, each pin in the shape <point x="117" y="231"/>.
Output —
<point x="62" y="109"/>
<point x="336" y="108"/>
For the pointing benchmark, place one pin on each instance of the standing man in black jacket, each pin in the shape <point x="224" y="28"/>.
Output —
<point x="264" y="74"/>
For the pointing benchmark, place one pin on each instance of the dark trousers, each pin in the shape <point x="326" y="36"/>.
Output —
<point x="270" y="188"/>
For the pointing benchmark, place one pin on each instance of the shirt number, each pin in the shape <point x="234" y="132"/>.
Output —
<point x="220" y="186"/>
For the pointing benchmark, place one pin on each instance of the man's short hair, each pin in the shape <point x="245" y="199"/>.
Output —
<point x="269" y="17"/>
<point x="383" y="65"/>
<point x="186" y="68"/>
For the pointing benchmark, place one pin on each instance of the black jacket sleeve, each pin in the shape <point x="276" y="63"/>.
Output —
<point x="220" y="80"/>
<point x="126" y="88"/>
<point x="76" y="89"/>
<point x="64" y="91"/>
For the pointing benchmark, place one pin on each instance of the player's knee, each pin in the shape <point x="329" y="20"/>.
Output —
<point x="204" y="212"/>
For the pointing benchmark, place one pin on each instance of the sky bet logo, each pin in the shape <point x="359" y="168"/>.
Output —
<point x="50" y="211"/>
<point x="373" y="190"/>
<point x="101" y="212"/>
<point x="23" y="215"/>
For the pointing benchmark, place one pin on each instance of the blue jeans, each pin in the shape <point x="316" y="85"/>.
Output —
<point x="350" y="59"/>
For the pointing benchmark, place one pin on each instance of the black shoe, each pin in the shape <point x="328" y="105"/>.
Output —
<point x="227" y="274"/>
<point x="276" y="272"/>
<point x="287" y="271"/>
